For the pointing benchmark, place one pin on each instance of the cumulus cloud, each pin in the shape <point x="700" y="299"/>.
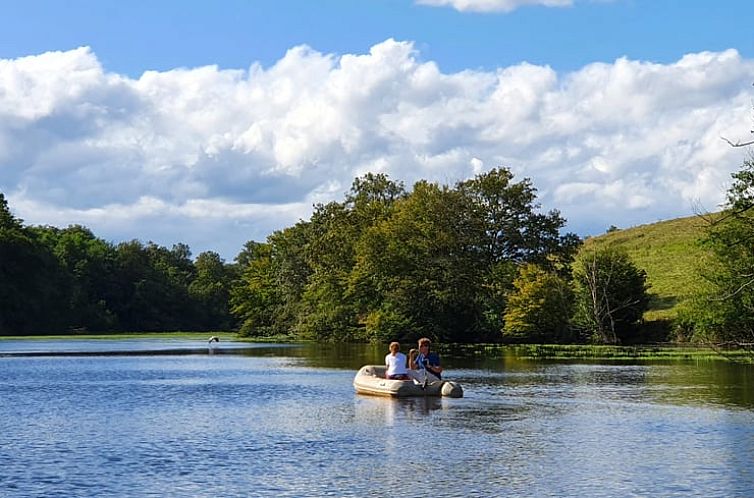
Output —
<point x="493" y="5"/>
<point x="214" y="157"/>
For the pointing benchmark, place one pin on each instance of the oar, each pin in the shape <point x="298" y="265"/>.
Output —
<point x="426" y="378"/>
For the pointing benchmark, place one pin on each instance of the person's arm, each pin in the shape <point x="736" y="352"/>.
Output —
<point x="434" y="364"/>
<point x="422" y="361"/>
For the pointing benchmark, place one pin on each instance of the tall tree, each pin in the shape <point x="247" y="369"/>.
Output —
<point x="417" y="271"/>
<point x="515" y="230"/>
<point x="329" y="310"/>
<point x="210" y="291"/>
<point x="88" y="263"/>
<point x="255" y="298"/>
<point x="385" y="263"/>
<point x="516" y="233"/>
<point x="611" y="295"/>
<point x="152" y="287"/>
<point x="723" y="310"/>
<point x="32" y="290"/>
<point x="266" y="298"/>
<point x="539" y="307"/>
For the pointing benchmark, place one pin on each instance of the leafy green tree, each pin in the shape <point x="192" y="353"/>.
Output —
<point x="372" y="198"/>
<point x="723" y="310"/>
<point x="329" y="311"/>
<point x="151" y="291"/>
<point x="88" y="263"/>
<point x="255" y="298"/>
<point x="516" y="233"/>
<point x="171" y="274"/>
<point x="420" y="268"/>
<point x="539" y="307"/>
<point x="210" y="290"/>
<point x="515" y="230"/>
<point x="326" y="311"/>
<point x="611" y="295"/>
<point x="58" y="280"/>
<point x="32" y="284"/>
<point x="387" y="264"/>
<point x="266" y="298"/>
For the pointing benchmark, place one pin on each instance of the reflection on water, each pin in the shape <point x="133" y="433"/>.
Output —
<point x="283" y="420"/>
<point x="375" y="410"/>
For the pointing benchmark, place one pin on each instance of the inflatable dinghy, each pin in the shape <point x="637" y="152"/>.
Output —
<point x="370" y="379"/>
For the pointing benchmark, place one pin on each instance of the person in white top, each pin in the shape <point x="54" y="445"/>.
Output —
<point x="395" y="361"/>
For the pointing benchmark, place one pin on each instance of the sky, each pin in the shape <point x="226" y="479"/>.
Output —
<point x="216" y="123"/>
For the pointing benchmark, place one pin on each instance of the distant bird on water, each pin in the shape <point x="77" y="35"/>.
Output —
<point x="212" y="339"/>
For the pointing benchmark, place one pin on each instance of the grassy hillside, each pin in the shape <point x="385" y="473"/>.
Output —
<point x="670" y="254"/>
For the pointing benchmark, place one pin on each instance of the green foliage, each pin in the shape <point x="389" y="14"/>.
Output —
<point x="561" y="352"/>
<point x="382" y="264"/>
<point x="385" y="324"/>
<point x="89" y="266"/>
<point x="723" y="309"/>
<point x="32" y="286"/>
<point x="539" y="307"/>
<point x="326" y="311"/>
<point x="515" y="234"/>
<point x="611" y="295"/>
<point x="267" y="297"/>
<point x="515" y="231"/>
<point x="68" y="280"/>
<point x="255" y="298"/>
<point x="210" y="290"/>
<point x="422" y="265"/>
<point x="671" y="254"/>
<point x="153" y="294"/>
<point x="386" y="264"/>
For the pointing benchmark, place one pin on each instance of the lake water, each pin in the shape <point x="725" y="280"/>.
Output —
<point x="166" y="418"/>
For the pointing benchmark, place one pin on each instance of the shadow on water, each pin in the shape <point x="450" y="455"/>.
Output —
<point x="486" y="369"/>
<point x="175" y="418"/>
<point x="496" y="371"/>
<point x="389" y="410"/>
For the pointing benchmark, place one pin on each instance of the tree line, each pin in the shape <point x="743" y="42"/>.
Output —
<point x="473" y="262"/>
<point x="66" y="280"/>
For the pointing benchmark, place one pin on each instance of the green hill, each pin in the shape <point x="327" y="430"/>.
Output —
<point x="670" y="253"/>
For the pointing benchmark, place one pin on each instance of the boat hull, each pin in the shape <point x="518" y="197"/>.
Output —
<point x="371" y="380"/>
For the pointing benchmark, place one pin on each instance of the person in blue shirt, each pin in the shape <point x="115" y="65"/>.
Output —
<point x="428" y="360"/>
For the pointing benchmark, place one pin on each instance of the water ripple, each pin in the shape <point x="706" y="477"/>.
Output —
<point x="194" y="426"/>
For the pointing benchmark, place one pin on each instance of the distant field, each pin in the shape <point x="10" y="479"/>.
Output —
<point x="669" y="252"/>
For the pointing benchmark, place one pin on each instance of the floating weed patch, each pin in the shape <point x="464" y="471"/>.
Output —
<point x="596" y="353"/>
<point x="626" y="353"/>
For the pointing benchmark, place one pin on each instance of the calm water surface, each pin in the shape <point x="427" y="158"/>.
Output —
<point x="165" y="418"/>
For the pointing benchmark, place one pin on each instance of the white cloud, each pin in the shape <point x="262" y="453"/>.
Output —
<point x="214" y="157"/>
<point x="493" y="5"/>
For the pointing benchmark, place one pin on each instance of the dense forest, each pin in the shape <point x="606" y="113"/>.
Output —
<point x="473" y="262"/>
<point x="476" y="261"/>
<point x="387" y="263"/>
<point x="66" y="280"/>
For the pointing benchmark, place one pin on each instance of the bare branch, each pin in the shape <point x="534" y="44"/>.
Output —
<point x="741" y="288"/>
<point x="722" y="349"/>
<point x="739" y="143"/>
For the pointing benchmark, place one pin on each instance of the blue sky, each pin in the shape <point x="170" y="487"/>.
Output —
<point x="131" y="37"/>
<point x="216" y="123"/>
